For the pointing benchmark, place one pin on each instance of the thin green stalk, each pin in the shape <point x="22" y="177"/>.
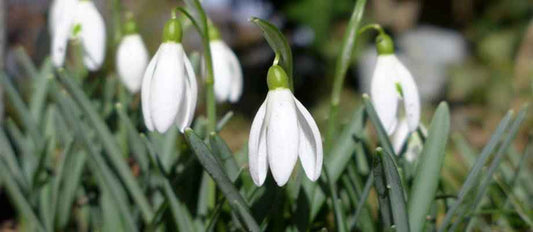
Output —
<point x="343" y="62"/>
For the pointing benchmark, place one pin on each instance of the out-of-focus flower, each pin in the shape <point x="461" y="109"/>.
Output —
<point x="169" y="89"/>
<point x="226" y="68"/>
<point x="282" y="131"/>
<point x="79" y="20"/>
<point x="393" y="89"/>
<point x="132" y="58"/>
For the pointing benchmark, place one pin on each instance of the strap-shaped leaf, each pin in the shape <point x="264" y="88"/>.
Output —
<point x="395" y="191"/>
<point x="428" y="172"/>
<point x="382" y="135"/>
<point x="214" y="169"/>
<point x="470" y="181"/>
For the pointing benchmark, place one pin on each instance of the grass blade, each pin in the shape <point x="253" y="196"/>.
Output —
<point x="430" y="163"/>
<point x="136" y="142"/>
<point x="8" y="155"/>
<point x="221" y="179"/>
<point x="395" y="190"/>
<point x="380" y="183"/>
<point x="382" y="134"/>
<point x="222" y="151"/>
<point x="112" y="149"/>
<point x="502" y="150"/>
<point x="470" y="181"/>
<point x="20" y="203"/>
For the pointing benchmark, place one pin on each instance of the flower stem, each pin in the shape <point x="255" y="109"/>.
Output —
<point x="209" y="86"/>
<point x="343" y="61"/>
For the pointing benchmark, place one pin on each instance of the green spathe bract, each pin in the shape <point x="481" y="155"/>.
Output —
<point x="384" y="44"/>
<point x="277" y="78"/>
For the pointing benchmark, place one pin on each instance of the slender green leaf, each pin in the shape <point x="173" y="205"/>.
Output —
<point x="340" y="221"/>
<point x="22" y="111"/>
<point x="21" y="204"/>
<point x="179" y="212"/>
<point x="395" y="190"/>
<point x="8" y="155"/>
<point x="136" y="142"/>
<point x="343" y="62"/>
<point x="223" y="153"/>
<point x="279" y="44"/>
<point x="470" y="181"/>
<point x="380" y="182"/>
<point x="224" y="120"/>
<point x="40" y="88"/>
<point x="427" y="176"/>
<point x="221" y="179"/>
<point x="502" y="150"/>
<point x="363" y="197"/>
<point x="382" y="134"/>
<point x="112" y="149"/>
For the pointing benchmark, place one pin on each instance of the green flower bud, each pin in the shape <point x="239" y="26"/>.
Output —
<point x="130" y="27"/>
<point x="213" y="32"/>
<point x="172" y="31"/>
<point x="384" y="44"/>
<point x="277" y="78"/>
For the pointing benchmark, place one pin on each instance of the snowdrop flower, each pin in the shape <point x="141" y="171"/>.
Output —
<point x="226" y="68"/>
<point x="394" y="92"/>
<point x="132" y="58"/>
<point x="169" y="89"/>
<point x="78" y="20"/>
<point x="282" y="131"/>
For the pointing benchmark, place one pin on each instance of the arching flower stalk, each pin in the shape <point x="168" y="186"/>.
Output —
<point x="72" y="19"/>
<point x="226" y="67"/>
<point x="394" y="93"/>
<point x="131" y="58"/>
<point x="169" y="89"/>
<point x="282" y="131"/>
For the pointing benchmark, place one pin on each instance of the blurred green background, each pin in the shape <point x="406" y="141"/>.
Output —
<point x="475" y="54"/>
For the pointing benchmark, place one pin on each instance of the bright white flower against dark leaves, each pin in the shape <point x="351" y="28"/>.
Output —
<point x="169" y="89"/>
<point x="393" y="90"/>
<point x="282" y="131"/>
<point x="80" y="20"/>
<point x="132" y="58"/>
<point x="227" y="71"/>
<point x="226" y="68"/>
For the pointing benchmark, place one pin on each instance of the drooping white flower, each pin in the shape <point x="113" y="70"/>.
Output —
<point x="282" y="131"/>
<point x="132" y="58"/>
<point x="81" y="20"/>
<point x="227" y="71"/>
<point x="393" y="90"/>
<point x="169" y="89"/>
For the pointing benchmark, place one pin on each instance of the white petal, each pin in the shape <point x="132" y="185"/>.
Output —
<point x="383" y="91"/>
<point x="400" y="136"/>
<point x="131" y="60"/>
<point x="221" y="70"/>
<point x="146" y="88"/>
<point x="60" y="11"/>
<point x="282" y="134"/>
<point x="257" y="153"/>
<point x="236" y="75"/>
<point x="410" y="95"/>
<point x="92" y="34"/>
<point x="190" y="95"/>
<point x="167" y="85"/>
<point x="310" y="147"/>
<point x="59" y="43"/>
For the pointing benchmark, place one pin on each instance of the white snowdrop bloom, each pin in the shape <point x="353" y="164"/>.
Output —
<point x="282" y="131"/>
<point x="227" y="71"/>
<point x="169" y="89"/>
<point x="132" y="58"/>
<point x="80" y="20"/>
<point x="393" y="90"/>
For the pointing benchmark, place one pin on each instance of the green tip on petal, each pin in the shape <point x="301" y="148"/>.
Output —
<point x="172" y="31"/>
<point x="76" y="30"/>
<point x="277" y="78"/>
<point x="399" y="89"/>
<point x="384" y="44"/>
